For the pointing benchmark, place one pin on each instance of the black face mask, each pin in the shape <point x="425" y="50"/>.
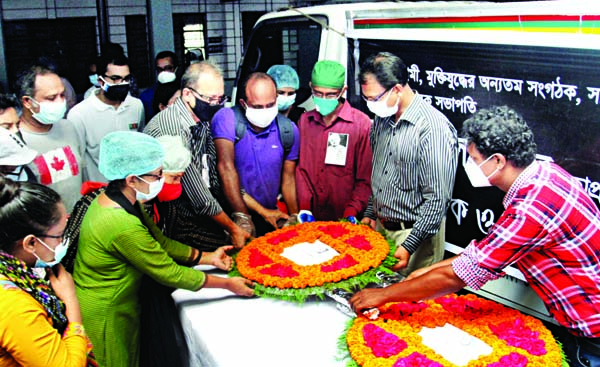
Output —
<point x="117" y="92"/>
<point x="205" y="111"/>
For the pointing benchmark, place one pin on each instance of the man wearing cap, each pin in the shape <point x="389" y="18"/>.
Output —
<point x="287" y="82"/>
<point x="415" y="153"/>
<point x="59" y="163"/>
<point x="258" y="162"/>
<point x="333" y="182"/>
<point x="201" y="221"/>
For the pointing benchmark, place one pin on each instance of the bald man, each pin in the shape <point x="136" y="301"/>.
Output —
<point x="256" y="167"/>
<point x="200" y="219"/>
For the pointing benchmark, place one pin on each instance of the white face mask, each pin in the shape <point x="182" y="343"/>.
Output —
<point x="166" y="77"/>
<point x="50" y="112"/>
<point x="261" y="117"/>
<point x="153" y="189"/>
<point x="381" y="109"/>
<point x="476" y="175"/>
<point x="59" y="252"/>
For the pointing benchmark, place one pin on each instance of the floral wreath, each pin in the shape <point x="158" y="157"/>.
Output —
<point x="363" y="253"/>
<point x="392" y="340"/>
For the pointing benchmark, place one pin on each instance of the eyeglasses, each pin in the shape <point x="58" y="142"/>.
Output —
<point x="332" y="95"/>
<point x="118" y="79"/>
<point x="212" y="100"/>
<point x="377" y="98"/>
<point x="58" y="237"/>
<point x="157" y="177"/>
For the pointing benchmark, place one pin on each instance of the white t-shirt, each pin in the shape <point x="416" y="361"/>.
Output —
<point x="94" y="119"/>
<point x="59" y="164"/>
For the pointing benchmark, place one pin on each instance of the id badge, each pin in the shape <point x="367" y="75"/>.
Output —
<point x="337" y="149"/>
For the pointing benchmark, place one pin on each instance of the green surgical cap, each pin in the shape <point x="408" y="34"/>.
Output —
<point x="328" y="74"/>
<point x="284" y="76"/>
<point x="124" y="153"/>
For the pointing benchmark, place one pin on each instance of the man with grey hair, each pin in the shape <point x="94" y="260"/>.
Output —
<point x="44" y="128"/>
<point x="200" y="205"/>
<point x="550" y="231"/>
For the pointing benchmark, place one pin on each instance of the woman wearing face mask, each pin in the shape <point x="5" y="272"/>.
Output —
<point x="119" y="244"/>
<point x="41" y="319"/>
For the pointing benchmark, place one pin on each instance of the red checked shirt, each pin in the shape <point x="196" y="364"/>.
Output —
<point x="550" y="230"/>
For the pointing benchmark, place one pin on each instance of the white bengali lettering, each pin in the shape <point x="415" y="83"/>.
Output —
<point x="594" y="94"/>
<point x="459" y="208"/>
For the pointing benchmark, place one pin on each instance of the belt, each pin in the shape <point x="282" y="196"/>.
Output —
<point x="391" y="225"/>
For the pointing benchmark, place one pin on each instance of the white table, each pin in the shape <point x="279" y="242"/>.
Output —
<point x="230" y="331"/>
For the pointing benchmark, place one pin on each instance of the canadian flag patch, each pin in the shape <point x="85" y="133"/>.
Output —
<point x="56" y="165"/>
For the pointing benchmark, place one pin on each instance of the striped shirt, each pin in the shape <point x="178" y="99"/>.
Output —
<point x="550" y="230"/>
<point x="197" y="199"/>
<point x="414" y="164"/>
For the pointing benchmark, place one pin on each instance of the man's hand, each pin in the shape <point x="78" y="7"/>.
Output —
<point x="273" y="215"/>
<point x="239" y="237"/>
<point x="368" y="298"/>
<point x="244" y="221"/>
<point x="403" y="256"/>
<point x="370" y="222"/>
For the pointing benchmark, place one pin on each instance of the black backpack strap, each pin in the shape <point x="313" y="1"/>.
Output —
<point x="240" y="123"/>
<point x="286" y="133"/>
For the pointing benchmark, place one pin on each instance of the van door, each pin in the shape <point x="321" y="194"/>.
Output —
<point x="555" y="89"/>
<point x="292" y="41"/>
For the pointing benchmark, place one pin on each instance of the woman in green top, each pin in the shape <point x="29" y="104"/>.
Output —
<point x="119" y="243"/>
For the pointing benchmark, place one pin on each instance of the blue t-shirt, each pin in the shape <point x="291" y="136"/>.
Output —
<point x="258" y="156"/>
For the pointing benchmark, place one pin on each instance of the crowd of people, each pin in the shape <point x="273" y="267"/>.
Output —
<point x="158" y="184"/>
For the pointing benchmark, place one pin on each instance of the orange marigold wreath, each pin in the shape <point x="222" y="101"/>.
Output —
<point x="360" y="249"/>
<point x="393" y="339"/>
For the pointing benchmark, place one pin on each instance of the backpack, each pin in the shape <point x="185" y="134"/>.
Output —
<point x="285" y="125"/>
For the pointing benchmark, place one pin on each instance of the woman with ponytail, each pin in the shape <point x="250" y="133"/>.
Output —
<point x="41" y="320"/>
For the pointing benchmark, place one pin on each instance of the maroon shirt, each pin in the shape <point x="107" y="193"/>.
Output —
<point x="330" y="191"/>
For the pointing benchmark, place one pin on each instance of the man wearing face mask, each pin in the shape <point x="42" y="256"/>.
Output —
<point x="110" y="108"/>
<point x="415" y="153"/>
<point x="287" y="82"/>
<point x="44" y="129"/>
<point x="201" y="221"/>
<point x="333" y="183"/>
<point x="258" y="162"/>
<point x="550" y="231"/>
<point x="166" y="67"/>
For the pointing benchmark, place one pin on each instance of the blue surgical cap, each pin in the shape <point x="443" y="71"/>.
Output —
<point x="124" y="153"/>
<point x="285" y="76"/>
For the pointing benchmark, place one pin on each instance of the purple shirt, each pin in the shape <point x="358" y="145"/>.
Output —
<point x="258" y="156"/>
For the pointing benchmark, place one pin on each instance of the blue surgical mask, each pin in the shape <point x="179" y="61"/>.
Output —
<point x="154" y="189"/>
<point x="50" y="112"/>
<point x="94" y="80"/>
<point x="284" y="102"/>
<point x="59" y="252"/>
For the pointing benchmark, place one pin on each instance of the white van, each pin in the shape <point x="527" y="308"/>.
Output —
<point x="541" y="58"/>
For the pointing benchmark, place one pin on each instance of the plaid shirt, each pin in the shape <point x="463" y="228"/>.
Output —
<point x="550" y="230"/>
